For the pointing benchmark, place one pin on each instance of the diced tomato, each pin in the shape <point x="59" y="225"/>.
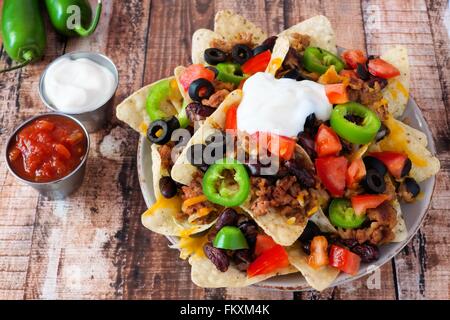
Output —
<point x="344" y="260"/>
<point x="263" y="243"/>
<point x="319" y="252"/>
<point x="269" y="261"/>
<point x="353" y="57"/>
<point x="327" y="142"/>
<point x="394" y="161"/>
<point x="383" y="69"/>
<point x="231" y="119"/>
<point x="332" y="171"/>
<point x="282" y="147"/>
<point x="355" y="172"/>
<point x="194" y="72"/>
<point x="362" y="202"/>
<point x="348" y="74"/>
<point x="257" y="63"/>
<point x="336" y="93"/>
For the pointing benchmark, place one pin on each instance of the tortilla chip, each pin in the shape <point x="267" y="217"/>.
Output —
<point x="163" y="219"/>
<point x="397" y="91"/>
<point x="280" y="49"/>
<point x="231" y="26"/>
<point x="320" y="31"/>
<point x="201" y="40"/>
<point x="319" y="279"/>
<point x="133" y="111"/>
<point x="182" y="170"/>
<point x="322" y="221"/>
<point x="204" y="274"/>
<point x="400" y="230"/>
<point x="403" y="138"/>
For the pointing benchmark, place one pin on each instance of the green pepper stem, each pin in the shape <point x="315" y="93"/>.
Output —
<point x="87" y="32"/>
<point x="28" y="56"/>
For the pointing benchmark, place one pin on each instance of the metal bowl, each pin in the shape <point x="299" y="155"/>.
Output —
<point x="413" y="213"/>
<point x="93" y="120"/>
<point x="61" y="188"/>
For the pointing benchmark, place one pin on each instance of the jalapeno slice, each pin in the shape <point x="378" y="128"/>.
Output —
<point x="319" y="60"/>
<point x="229" y="72"/>
<point x="230" y="238"/>
<point x="342" y="215"/>
<point x="156" y="95"/>
<point x="226" y="183"/>
<point x="358" y="133"/>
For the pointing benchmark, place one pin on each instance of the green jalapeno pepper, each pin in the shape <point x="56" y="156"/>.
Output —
<point x="342" y="214"/>
<point x="226" y="183"/>
<point x="182" y="115"/>
<point x="23" y="31"/>
<point x="319" y="60"/>
<point x="355" y="133"/>
<point x="61" y="13"/>
<point x="157" y="94"/>
<point x="230" y="238"/>
<point x="230" y="72"/>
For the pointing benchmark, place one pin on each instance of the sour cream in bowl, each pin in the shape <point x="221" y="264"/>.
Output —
<point x="280" y="106"/>
<point x="80" y="84"/>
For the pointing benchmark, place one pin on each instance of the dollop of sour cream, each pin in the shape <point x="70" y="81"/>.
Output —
<point x="77" y="86"/>
<point x="280" y="106"/>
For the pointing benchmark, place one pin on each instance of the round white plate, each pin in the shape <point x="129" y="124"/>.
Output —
<point x="413" y="213"/>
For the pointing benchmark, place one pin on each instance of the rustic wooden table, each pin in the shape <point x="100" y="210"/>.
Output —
<point x="92" y="245"/>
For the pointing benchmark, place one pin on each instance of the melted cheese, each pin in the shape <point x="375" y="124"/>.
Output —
<point x="173" y="204"/>
<point x="191" y="245"/>
<point x="274" y="65"/>
<point x="192" y="201"/>
<point x="397" y="140"/>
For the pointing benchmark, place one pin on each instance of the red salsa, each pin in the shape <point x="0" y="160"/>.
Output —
<point x="47" y="149"/>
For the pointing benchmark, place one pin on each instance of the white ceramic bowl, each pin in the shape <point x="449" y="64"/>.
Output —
<point x="413" y="213"/>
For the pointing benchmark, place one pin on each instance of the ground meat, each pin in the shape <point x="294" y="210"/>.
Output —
<point x="299" y="41"/>
<point x="361" y="92"/>
<point x="216" y="98"/>
<point x="219" y="85"/>
<point x="195" y="189"/>
<point x="283" y="197"/>
<point x="245" y="38"/>
<point x="404" y="193"/>
<point x="165" y="152"/>
<point x="383" y="220"/>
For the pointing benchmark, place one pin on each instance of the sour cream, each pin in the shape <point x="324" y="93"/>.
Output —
<point x="77" y="86"/>
<point x="280" y="106"/>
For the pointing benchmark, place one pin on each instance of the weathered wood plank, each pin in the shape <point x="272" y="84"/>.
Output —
<point x="80" y="243"/>
<point x="423" y="265"/>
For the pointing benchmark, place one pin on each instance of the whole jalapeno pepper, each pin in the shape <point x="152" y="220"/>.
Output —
<point x="23" y="31"/>
<point x="62" y="15"/>
<point x="319" y="60"/>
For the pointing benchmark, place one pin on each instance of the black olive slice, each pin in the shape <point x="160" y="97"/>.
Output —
<point x="406" y="168"/>
<point x="362" y="71"/>
<point x="293" y="74"/>
<point x="374" y="182"/>
<point x="374" y="163"/>
<point x="200" y="89"/>
<point x="412" y="186"/>
<point x="214" y="56"/>
<point x="159" y="132"/>
<point x="241" y="53"/>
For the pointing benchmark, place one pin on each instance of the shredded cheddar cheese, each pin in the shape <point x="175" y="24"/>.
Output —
<point x="143" y="128"/>
<point x="274" y="65"/>
<point x="173" y="204"/>
<point x="192" y="201"/>
<point x="291" y="221"/>
<point x="312" y="211"/>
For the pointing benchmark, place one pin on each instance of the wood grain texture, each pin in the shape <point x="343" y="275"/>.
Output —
<point x="92" y="245"/>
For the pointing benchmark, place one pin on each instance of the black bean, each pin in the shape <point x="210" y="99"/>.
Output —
<point x="306" y="246"/>
<point x="374" y="182"/>
<point x="270" y="42"/>
<point x="349" y="243"/>
<point x="228" y="217"/>
<point x="167" y="187"/>
<point x="214" y="56"/>
<point x="217" y="256"/>
<point x="249" y="229"/>
<point x="307" y="143"/>
<point x="381" y="82"/>
<point x="242" y="259"/>
<point x="293" y="74"/>
<point x="373" y="163"/>
<point x="412" y="186"/>
<point x="304" y="177"/>
<point x="200" y="89"/>
<point x="197" y="112"/>
<point x="382" y="132"/>
<point x="406" y="168"/>
<point x="241" y="53"/>
<point x="362" y="71"/>
<point x="367" y="252"/>
<point x="311" y="230"/>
